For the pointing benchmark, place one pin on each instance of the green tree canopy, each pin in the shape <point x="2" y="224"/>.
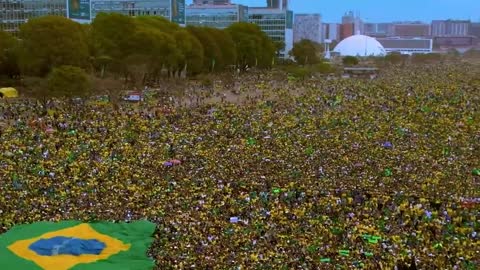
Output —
<point x="7" y="43"/>
<point x="212" y="53"/>
<point x="191" y="52"/>
<point x="254" y="47"/>
<point x="226" y="46"/>
<point x="394" y="58"/>
<point x="52" y="41"/>
<point x="113" y="38"/>
<point x="68" y="81"/>
<point x="154" y="50"/>
<point x="8" y="55"/>
<point x="305" y="52"/>
<point x="350" y="61"/>
<point x="165" y="50"/>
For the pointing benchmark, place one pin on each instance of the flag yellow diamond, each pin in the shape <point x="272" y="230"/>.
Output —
<point x="113" y="246"/>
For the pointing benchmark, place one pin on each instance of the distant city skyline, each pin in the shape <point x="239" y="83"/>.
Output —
<point x="384" y="11"/>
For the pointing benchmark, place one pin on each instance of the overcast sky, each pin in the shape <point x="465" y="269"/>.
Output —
<point x="384" y="10"/>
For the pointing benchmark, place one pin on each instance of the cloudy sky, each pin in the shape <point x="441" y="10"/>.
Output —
<point x="384" y="10"/>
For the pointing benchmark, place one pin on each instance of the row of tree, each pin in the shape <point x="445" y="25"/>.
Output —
<point x="140" y="49"/>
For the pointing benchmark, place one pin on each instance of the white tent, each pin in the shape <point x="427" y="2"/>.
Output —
<point x="360" y="45"/>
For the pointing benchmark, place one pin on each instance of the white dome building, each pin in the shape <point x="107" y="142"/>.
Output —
<point x="360" y="45"/>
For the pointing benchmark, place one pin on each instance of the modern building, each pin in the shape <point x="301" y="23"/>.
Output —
<point x="407" y="45"/>
<point x="330" y="31"/>
<point x="276" y="23"/>
<point x="174" y="10"/>
<point x="351" y="25"/>
<point x="474" y="30"/>
<point x="217" y="16"/>
<point x="411" y="29"/>
<point x="279" y="4"/>
<point x="361" y="46"/>
<point x="449" y="42"/>
<point x="211" y="2"/>
<point x="441" y="28"/>
<point x="378" y="29"/>
<point x="346" y="30"/>
<point x="307" y="26"/>
<point x="15" y="13"/>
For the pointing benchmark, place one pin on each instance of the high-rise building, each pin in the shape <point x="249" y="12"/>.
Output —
<point x="442" y="28"/>
<point x="331" y="31"/>
<point x="280" y="4"/>
<point x="411" y="29"/>
<point x="15" y="13"/>
<point x="346" y="30"/>
<point x="307" y="26"/>
<point x="211" y="2"/>
<point x="217" y="16"/>
<point x="474" y="30"/>
<point x="276" y="23"/>
<point x="349" y="17"/>
<point x="351" y="25"/>
<point x="378" y="29"/>
<point x="173" y="10"/>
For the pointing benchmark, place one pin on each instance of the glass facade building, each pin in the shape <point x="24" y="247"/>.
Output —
<point x="279" y="4"/>
<point x="174" y="10"/>
<point x="307" y="26"/>
<point x="276" y="23"/>
<point x="211" y="2"/>
<point x="132" y="7"/>
<point x="216" y="16"/>
<point x="13" y="13"/>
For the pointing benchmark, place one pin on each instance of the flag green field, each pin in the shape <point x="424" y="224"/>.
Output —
<point x="76" y="245"/>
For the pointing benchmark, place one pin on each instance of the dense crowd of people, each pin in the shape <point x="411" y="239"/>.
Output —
<point x="322" y="174"/>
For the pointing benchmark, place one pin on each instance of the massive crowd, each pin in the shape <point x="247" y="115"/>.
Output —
<point x="323" y="174"/>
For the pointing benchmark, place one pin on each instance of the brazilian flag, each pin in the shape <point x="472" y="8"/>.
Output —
<point x="76" y="245"/>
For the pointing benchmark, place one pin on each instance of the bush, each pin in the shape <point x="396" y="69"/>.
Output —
<point x="298" y="72"/>
<point x="394" y="58"/>
<point x="324" y="68"/>
<point x="350" y="61"/>
<point x="305" y="52"/>
<point x="426" y="58"/>
<point x="472" y="53"/>
<point x="68" y="81"/>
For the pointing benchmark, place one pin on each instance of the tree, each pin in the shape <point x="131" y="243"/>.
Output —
<point x="300" y="73"/>
<point x="158" y="46"/>
<point x="226" y="46"/>
<point x="112" y="37"/>
<point x="8" y="55"/>
<point x="191" y="50"/>
<point x="52" y="41"/>
<point x="279" y="46"/>
<point x="155" y="50"/>
<point x="323" y="68"/>
<point x="212" y="53"/>
<point x="253" y="46"/>
<point x="394" y="58"/>
<point x="350" y="61"/>
<point x="68" y="81"/>
<point x="305" y="52"/>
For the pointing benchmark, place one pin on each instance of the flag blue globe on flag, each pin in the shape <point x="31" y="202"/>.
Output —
<point x="75" y="245"/>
